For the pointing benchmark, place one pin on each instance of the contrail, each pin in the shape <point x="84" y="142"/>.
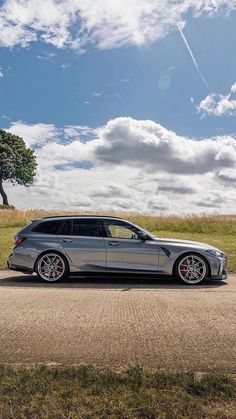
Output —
<point x="192" y="56"/>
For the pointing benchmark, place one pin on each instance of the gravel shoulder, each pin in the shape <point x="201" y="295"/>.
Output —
<point x="155" y="322"/>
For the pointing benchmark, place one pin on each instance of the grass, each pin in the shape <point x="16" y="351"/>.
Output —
<point x="219" y="231"/>
<point x="86" y="392"/>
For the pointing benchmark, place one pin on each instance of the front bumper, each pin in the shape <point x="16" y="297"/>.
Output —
<point x="219" y="268"/>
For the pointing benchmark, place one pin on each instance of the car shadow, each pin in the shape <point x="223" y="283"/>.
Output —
<point x="108" y="282"/>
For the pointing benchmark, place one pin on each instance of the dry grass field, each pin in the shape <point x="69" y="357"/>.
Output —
<point x="219" y="231"/>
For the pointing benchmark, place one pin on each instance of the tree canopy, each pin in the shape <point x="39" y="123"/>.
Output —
<point x="17" y="162"/>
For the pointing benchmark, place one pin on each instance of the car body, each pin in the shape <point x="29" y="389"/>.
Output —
<point x="55" y="247"/>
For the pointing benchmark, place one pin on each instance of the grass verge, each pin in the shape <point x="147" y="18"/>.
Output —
<point x="85" y="392"/>
<point x="219" y="231"/>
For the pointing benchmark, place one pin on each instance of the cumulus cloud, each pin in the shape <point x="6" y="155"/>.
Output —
<point x="218" y="105"/>
<point x="111" y="190"/>
<point x="176" y="189"/>
<point x="130" y="164"/>
<point x="158" y="203"/>
<point x="105" y="23"/>
<point x="228" y="176"/>
<point x="146" y="143"/>
<point x="212" y="199"/>
<point x="130" y="142"/>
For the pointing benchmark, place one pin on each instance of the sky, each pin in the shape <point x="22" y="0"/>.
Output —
<point x="129" y="104"/>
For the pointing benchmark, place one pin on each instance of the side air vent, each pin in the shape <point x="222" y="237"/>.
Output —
<point x="166" y="251"/>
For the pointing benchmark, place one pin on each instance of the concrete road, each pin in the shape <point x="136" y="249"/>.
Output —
<point x="158" y="323"/>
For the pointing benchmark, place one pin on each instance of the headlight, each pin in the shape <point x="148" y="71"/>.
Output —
<point x="215" y="253"/>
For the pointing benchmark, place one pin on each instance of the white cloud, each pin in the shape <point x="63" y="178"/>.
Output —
<point x="65" y="66"/>
<point x="1" y="72"/>
<point x="227" y="176"/>
<point x="134" y="165"/>
<point x="34" y="134"/>
<point x="49" y="56"/>
<point x="153" y="147"/>
<point x="105" y="23"/>
<point x="212" y="199"/>
<point x="112" y="190"/>
<point x="218" y="105"/>
<point x="233" y="88"/>
<point x="97" y="94"/>
<point x="158" y="203"/>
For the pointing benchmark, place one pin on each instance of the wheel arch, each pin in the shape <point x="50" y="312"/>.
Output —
<point x="58" y="252"/>
<point x="192" y="253"/>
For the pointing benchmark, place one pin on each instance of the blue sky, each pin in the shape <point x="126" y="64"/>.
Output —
<point x="149" y="82"/>
<point x="110" y="76"/>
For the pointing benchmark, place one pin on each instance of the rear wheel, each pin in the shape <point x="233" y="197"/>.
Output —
<point x="192" y="269"/>
<point x="51" y="267"/>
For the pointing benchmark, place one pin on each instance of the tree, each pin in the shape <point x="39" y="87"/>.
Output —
<point x="17" y="162"/>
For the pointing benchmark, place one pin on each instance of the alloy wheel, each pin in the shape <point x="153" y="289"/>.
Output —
<point x="192" y="269"/>
<point x="51" y="267"/>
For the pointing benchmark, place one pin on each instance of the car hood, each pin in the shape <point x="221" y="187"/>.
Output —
<point x="185" y="243"/>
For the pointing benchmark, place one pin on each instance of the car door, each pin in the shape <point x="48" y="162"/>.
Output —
<point x="83" y="244"/>
<point x="125" y="251"/>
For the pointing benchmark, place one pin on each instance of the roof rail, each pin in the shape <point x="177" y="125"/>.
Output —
<point x="82" y="216"/>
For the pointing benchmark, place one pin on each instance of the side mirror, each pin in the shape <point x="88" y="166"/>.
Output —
<point x="141" y="235"/>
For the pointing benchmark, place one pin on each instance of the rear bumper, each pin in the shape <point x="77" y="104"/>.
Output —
<point x="13" y="265"/>
<point x="19" y="268"/>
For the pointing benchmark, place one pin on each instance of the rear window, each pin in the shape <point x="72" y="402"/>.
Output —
<point x="48" y="227"/>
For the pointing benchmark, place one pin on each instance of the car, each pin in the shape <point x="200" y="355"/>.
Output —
<point x="59" y="246"/>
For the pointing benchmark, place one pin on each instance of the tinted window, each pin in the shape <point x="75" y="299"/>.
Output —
<point x="86" y="227"/>
<point x="120" y="230"/>
<point x="66" y="228"/>
<point x="48" y="227"/>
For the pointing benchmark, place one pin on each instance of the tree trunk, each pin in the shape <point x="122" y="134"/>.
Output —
<point x="3" y="193"/>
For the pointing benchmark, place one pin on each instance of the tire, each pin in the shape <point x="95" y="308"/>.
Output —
<point x="52" y="267"/>
<point x="191" y="269"/>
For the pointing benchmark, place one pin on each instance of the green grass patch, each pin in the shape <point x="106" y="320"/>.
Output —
<point x="86" y="392"/>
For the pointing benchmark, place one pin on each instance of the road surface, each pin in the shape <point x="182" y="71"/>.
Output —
<point x="155" y="322"/>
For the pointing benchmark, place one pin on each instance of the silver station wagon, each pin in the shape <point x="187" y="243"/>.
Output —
<point x="55" y="247"/>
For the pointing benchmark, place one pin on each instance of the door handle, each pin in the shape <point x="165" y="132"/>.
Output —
<point x="67" y="240"/>
<point x="114" y="243"/>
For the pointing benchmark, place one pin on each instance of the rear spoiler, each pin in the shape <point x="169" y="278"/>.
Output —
<point x="34" y="219"/>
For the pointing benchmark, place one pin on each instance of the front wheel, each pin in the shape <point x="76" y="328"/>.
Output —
<point x="51" y="267"/>
<point x="191" y="269"/>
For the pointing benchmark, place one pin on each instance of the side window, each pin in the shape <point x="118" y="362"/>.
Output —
<point x="47" y="227"/>
<point x="120" y="230"/>
<point x="66" y="228"/>
<point x="85" y="227"/>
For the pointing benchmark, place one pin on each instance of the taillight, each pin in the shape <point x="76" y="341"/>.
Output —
<point x="19" y="240"/>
